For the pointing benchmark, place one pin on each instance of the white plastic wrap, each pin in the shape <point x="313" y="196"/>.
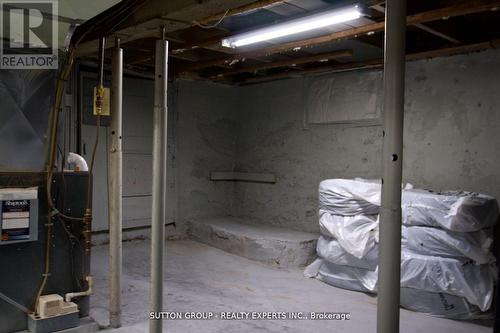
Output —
<point x="420" y="240"/>
<point x="439" y="305"/>
<point x="436" y="304"/>
<point x="331" y="250"/>
<point x="356" y="234"/>
<point x="461" y="245"/>
<point x="456" y="211"/>
<point x="447" y="275"/>
<point x="452" y="265"/>
<point x="349" y="197"/>
<point x="345" y="277"/>
<point x="425" y="273"/>
<point x="453" y="210"/>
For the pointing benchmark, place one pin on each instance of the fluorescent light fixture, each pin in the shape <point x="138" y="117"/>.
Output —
<point x="293" y="27"/>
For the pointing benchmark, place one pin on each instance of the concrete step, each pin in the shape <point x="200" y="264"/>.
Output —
<point x="244" y="237"/>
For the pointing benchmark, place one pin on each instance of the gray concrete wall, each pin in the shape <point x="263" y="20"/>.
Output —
<point x="275" y="139"/>
<point x="137" y="156"/>
<point x="206" y="129"/>
<point x="452" y="121"/>
<point x="202" y="130"/>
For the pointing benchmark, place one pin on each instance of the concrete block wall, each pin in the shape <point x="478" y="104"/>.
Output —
<point x="452" y="121"/>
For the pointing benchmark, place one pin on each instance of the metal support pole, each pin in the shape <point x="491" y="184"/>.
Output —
<point x="496" y="309"/>
<point x="389" y="273"/>
<point x="115" y="189"/>
<point x="496" y="323"/>
<point x="102" y="50"/>
<point x="159" y="183"/>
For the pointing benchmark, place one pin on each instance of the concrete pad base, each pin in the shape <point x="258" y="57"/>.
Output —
<point x="86" y="325"/>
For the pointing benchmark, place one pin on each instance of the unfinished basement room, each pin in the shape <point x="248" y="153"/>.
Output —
<point x="213" y="166"/>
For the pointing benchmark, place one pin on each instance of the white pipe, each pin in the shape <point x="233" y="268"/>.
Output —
<point x="78" y="161"/>
<point x="69" y="296"/>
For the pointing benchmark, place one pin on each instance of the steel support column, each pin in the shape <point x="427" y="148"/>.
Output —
<point x="389" y="273"/>
<point x="159" y="183"/>
<point x="115" y="189"/>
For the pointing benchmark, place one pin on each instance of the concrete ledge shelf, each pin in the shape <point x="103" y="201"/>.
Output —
<point x="251" y="177"/>
<point x="268" y="244"/>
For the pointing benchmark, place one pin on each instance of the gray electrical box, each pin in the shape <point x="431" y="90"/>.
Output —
<point x="18" y="215"/>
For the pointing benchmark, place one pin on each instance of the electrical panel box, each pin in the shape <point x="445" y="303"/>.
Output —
<point x="102" y="106"/>
<point x="18" y="215"/>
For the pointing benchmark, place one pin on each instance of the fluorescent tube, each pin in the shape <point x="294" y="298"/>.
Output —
<point x="293" y="27"/>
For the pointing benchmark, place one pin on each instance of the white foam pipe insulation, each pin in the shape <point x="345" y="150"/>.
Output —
<point x="78" y="161"/>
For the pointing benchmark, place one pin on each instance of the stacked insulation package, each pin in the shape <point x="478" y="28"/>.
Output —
<point x="447" y="268"/>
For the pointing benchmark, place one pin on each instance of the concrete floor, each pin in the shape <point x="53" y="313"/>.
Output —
<point x="202" y="278"/>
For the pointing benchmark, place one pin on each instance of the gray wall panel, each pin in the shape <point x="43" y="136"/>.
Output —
<point x="26" y="99"/>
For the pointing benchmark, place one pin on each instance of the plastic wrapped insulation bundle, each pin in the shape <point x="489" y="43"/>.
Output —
<point x="345" y="277"/>
<point x="347" y="197"/>
<point x="475" y="246"/>
<point x="356" y="234"/>
<point x="459" y="211"/>
<point x="446" y="261"/>
<point x="423" y="273"/>
<point x="452" y="210"/>
<point x="331" y="250"/>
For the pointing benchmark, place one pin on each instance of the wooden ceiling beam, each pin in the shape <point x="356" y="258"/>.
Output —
<point x="218" y="18"/>
<point x="238" y="10"/>
<point x="381" y="9"/>
<point x="459" y="9"/>
<point x="286" y="63"/>
<point x="378" y="63"/>
<point x="437" y="33"/>
<point x="349" y="66"/>
<point x="147" y="57"/>
<point x="177" y="15"/>
<point x="184" y="11"/>
<point x="199" y="44"/>
<point x="454" y="50"/>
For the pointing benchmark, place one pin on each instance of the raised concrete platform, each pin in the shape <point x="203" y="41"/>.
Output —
<point x="268" y="244"/>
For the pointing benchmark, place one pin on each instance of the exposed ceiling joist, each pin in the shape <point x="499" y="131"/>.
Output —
<point x="186" y="10"/>
<point x="175" y="15"/>
<point x="459" y="9"/>
<point x="378" y="63"/>
<point x="239" y="10"/>
<point x="423" y="27"/>
<point x="455" y="50"/>
<point x="199" y="44"/>
<point x="437" y="33"/>
<point x="289" y="62"/>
